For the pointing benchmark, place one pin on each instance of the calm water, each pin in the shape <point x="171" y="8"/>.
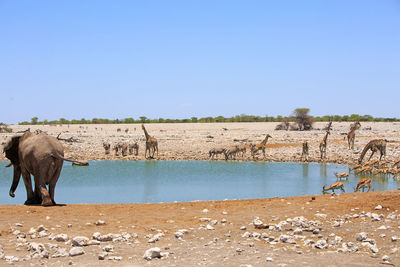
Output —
<point x="168" y="181"/>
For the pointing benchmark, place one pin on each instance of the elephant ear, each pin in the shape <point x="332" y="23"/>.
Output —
<point x="11" y="149"/>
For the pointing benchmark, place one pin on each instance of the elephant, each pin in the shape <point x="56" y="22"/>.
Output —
<point x="40" y="155"/>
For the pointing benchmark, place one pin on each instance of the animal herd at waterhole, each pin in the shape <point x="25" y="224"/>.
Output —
<point x="20" y="150"/>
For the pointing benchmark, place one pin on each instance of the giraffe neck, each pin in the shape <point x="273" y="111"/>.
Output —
<point x="325" y="137"/>
<point x="146" y="134"/>
<point x="264" y="141"/>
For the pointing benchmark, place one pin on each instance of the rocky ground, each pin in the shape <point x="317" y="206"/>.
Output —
<point x="192" y="141"/>
<point x="342" y="230"/>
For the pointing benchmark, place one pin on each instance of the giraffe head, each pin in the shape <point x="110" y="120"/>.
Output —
<point x="143" y="126"/>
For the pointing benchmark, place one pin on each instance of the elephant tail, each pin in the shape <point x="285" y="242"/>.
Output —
<point x="77" y="162"/>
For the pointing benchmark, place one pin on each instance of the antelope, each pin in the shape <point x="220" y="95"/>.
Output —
<point x="374" y="145"/>
<point x="342" y="175"/>
<point x="242" y="149"/>
<point x="396" y="163"/>
<point x="332" y="187"/>
<point x="364" y="169"/>
<point x="215" y="152"/>
<point x="364" y="183"/>
<point x="355" y="167"/>
<point x="231" y="152"/>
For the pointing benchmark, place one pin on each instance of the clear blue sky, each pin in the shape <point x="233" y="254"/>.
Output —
<point x="178" y="59"/>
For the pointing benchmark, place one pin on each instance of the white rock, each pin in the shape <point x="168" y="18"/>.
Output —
<point x="76" y="251"/>
<point x="321" y="244"/>
<point x="61" y="252"/>
<point x="209" y="227"/>
<point x="93" y="243"/>
<point x="287" y="239"/>
<point x="41" y="228"/>
<point x="205" y="211"/>
<point x="386" y="258"/>
<point x="205" y="220"/>
<point x="152" y="253"/>
<point x="155" y="238"/>
<point x="18" y="224"/>
<point x="11" y="259"/>
<point x="382" y="227"/>
<point x="108" y="248"/>
<point x="373" y="248"/>
<point x="321" y="216"/>
<point x="61" y="238"/>
<point x="100" y="222"/>
<point x="80" y="241"/>
<point x="102" y="256"/>
<point x="42" y="234"/>
<point x="298" y="231"/>
<point x="394" y="238"/>
<point x="102" y="238"/>
<point x="269" y="259"/>
<point x="379" y="207"/>
<point x="361" y="236"/>
<point x="243" y="228"/>
<point x="257" y="222"/>
<point x="246" y="235"/>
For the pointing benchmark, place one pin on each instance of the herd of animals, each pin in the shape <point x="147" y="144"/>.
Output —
<point x="42" y="156"/>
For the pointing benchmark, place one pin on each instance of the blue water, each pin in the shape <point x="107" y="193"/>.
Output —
<point x="168" y="181"/>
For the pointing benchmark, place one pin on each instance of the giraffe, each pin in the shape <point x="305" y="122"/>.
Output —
<point x="351" y="136"/>
<point x="304" y="153"/>
<point x="338" y="185"/>
<point x="261" y="146"/>
<point x="374" y="145"/>
<point x="151" y="144"/>
<point x="322" y="145"/>
<point x="364" y="183"/>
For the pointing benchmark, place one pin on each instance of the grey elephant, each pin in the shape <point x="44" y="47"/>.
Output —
<point x="40" y="155"/>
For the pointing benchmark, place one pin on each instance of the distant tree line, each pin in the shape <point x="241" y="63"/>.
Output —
<point x="299" y="116"/>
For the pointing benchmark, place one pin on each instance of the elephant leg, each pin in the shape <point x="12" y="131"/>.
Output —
<point x="30" y="198"/>
<point x="52" y="184"/>
<point x="40" y="181"/>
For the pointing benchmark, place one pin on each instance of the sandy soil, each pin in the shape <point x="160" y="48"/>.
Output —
<point x="225" y="244"/>
<point x="214" y="235"/>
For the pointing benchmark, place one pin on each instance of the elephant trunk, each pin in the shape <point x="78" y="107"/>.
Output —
<point x="17" y="176"/>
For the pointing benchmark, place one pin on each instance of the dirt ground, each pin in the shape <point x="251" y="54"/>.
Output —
<point x="192" y="141"/>
<point x="214" y="236"/>
<point x="317" y="230"/>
